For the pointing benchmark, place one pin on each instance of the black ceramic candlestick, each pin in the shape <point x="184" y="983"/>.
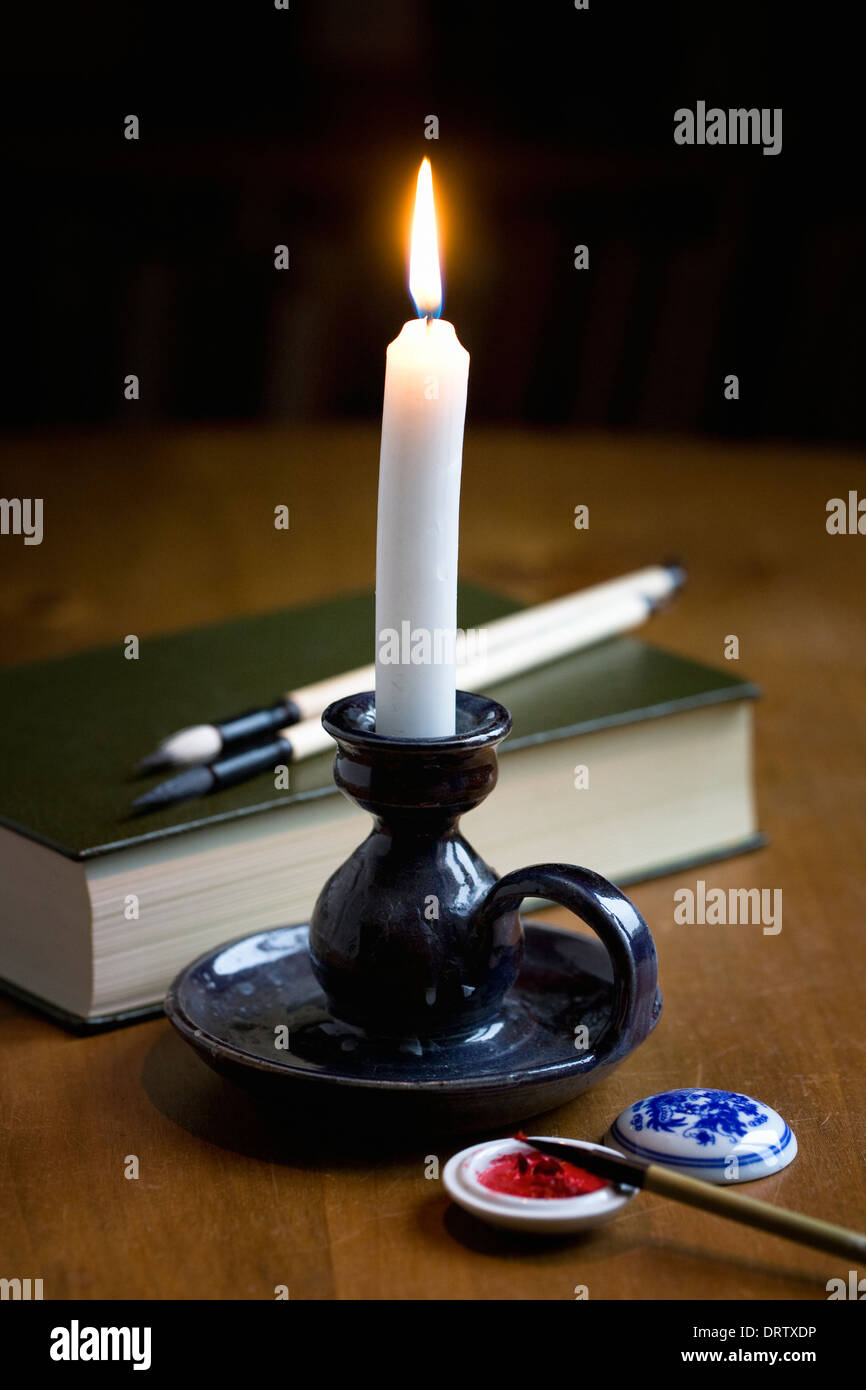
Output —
<point x="416" y="999"/>
<point x="414" y="936"/>
<point x="396" y="938"/>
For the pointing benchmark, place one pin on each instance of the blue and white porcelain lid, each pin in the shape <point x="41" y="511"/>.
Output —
<point x="720" y="1136"/>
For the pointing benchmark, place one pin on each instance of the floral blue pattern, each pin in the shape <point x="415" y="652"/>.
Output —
<point x="701" y="1115"/>
<point x="720" y="1136"/>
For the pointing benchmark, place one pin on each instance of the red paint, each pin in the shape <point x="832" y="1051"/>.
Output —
<point x="538" y="1175"/>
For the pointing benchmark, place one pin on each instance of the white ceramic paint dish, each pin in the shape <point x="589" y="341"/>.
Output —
<point x="553" y="1216"/>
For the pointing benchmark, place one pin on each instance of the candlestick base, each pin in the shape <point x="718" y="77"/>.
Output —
<point x="415" y="995"/>
<point x="254" y="1012"/>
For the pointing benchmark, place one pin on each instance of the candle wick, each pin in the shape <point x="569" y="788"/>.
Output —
<point x="429" y="320"/>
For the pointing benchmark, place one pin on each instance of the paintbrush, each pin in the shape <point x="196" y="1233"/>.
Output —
<point x="654" y="1177"/>
<point x="303" y="739"/>
<point x="513" y="644"/>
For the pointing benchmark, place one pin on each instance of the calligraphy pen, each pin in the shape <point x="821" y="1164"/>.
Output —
<point x="293" y="742"/>
<point x="573" y="612"/>
<point x="655" y="1177"/>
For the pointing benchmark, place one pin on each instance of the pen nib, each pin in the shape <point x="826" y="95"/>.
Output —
<point x="196" y="781"/>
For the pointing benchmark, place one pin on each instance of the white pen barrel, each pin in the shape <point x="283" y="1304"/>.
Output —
<point x="571" y="613"/>
<point x="628" y="611"/>
<point x="654" y="582"/>
<point x="313" y="699"/>
<point x="307" y="739"/>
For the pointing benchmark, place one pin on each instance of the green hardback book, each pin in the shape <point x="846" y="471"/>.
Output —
<point x="623" y="757"/>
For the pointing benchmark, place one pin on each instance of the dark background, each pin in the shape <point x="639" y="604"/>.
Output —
<point x="306" y="127"/>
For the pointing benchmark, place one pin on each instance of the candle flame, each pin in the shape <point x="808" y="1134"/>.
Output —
<point x="425" y="280"/>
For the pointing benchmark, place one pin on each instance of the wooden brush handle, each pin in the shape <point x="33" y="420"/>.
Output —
<point x="808" y="1230"/>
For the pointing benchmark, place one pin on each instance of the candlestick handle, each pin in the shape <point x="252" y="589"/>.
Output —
<point x="637" y="1000"/>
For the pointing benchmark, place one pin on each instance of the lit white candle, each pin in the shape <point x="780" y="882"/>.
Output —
<point x="419" y="503"/>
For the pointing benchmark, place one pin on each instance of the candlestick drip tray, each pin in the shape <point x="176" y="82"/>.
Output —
<point x="253" y="1011"/>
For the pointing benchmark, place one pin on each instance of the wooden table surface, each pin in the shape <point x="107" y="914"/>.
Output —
<point x="150" y="533"/>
